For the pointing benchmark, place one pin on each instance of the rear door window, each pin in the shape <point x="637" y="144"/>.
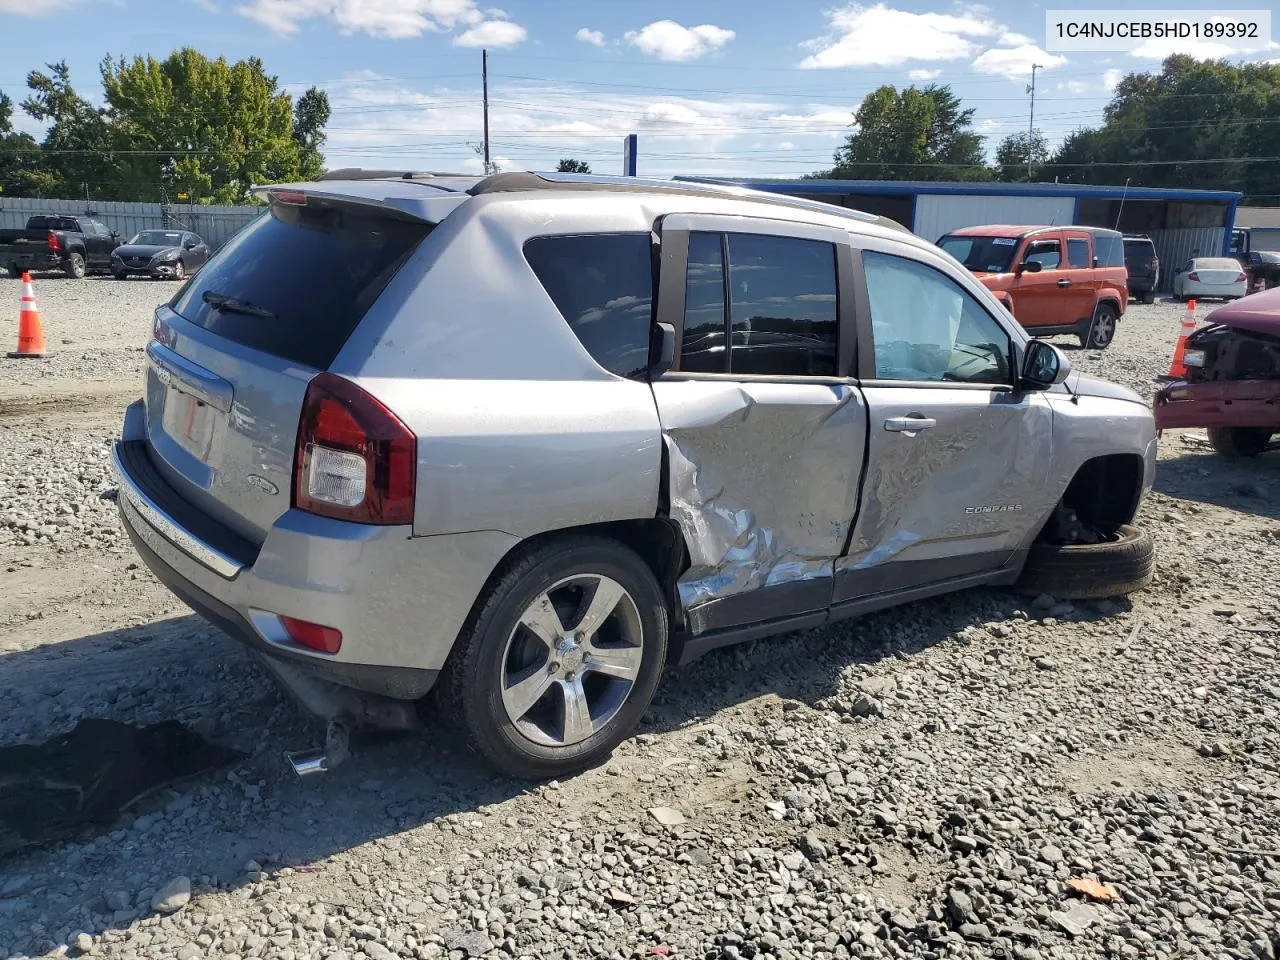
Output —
<point x="602" y="284"/>
<point x="305" y="276"/>
<point x="1078" y="253"/>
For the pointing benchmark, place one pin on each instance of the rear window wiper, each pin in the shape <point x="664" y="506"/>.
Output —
<point x="225" y="304"/>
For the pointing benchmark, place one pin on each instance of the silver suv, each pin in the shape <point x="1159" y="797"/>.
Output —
<point x="523" y="441"/>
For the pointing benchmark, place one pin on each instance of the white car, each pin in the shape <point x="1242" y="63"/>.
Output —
<point x="1204" y="277"/>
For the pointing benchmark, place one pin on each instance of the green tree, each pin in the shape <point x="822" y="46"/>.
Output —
<point x="310" y="114"/>
<point x="1206" y="124"/>
<point x="569" y="165"/>
<point x="1011" y="155"/>
<point x="76" y="151"/>
<point x="915" y="134"/>
<point x="219" y="127"/>
<point x="21" y="174"/>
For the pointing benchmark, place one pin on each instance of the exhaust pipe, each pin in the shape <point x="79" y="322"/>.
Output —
<point x="308" y="762"/>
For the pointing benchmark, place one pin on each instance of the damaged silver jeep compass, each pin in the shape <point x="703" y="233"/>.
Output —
<point x="520" y="442"/>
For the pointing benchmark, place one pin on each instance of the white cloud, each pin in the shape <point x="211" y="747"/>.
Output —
<point x="880" y="36"/>
<point x="1015" y="40"/>
<point x="392" y="19"/>
<point x="1111" y="78"/>
<point x="1200" y="49"/>
<point x="1015" y="62"/>
<point x="786" y="145"/>
<point x="593" y="37"/>
<point x="1074" y="86"/>
<point x="668" y="40"/>
<point x="924" y="76"/>
<point x="35" y="8"/>
<point x="501" y="34"/>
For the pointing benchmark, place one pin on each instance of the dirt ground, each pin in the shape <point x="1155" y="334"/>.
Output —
<point x="921" y="782"/>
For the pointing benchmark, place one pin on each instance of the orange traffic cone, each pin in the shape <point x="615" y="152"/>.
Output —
<point x="30" y="333"/>
<point x="1177" y="368"/>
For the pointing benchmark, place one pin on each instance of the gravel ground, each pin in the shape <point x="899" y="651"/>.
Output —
<point x="927" y="782"/>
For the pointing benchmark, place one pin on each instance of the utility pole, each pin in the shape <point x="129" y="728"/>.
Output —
<point x="484" y="75"/>
<point x="1031" y="128"/>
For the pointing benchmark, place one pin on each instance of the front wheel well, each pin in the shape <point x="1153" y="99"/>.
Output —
<point x="1105" y="491"/>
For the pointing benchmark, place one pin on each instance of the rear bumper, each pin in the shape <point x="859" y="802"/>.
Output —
<point x="1219" y="403"/>
<point x="36" y="259"/>
<point x="400" y="601"/>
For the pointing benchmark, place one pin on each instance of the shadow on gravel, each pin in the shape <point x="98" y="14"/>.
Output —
<point x="209" y="828"/>
<point x="1247" y="486"/>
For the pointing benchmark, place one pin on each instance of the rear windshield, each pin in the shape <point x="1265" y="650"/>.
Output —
<point x="316" y="269"/>
<point x="982" y="254"/>
<point x="52" y="223"/>
<point x="1216" y="263"/>
<point x="1109" y="249"/>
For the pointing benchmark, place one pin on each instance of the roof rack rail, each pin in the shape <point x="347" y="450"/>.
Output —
<point x="527" y="181"/>
<point x="359" y="173"/>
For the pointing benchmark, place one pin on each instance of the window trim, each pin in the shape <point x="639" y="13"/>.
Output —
<point x="868" y="345"/>
<point x="674" y="231"/>
<point x="1061" y="252"/>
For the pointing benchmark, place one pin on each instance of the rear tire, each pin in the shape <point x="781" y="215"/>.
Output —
<point x="15" y="272"/>
<point x="1088" y="571"/>
<point x="1236" y="443"/>
<point x="75" y="266"/>
<point x="119" y="276"/>
<point x="535" y="733"/>
<point x="1102" y="329"/>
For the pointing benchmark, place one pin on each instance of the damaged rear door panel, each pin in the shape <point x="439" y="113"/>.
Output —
<point x="764" y="430"/>
<point x="957" y="458"/>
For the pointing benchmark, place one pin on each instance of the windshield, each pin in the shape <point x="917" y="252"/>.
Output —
<point x="982" y="254"/>
<point x="158" y="238"/>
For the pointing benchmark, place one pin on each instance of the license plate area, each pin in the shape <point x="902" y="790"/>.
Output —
<point x="190" y="422"/>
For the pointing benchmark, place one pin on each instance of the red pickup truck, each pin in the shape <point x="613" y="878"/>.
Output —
<point x="1053" y="279"/>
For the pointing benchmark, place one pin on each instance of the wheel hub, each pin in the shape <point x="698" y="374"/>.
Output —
<point x="569" y="656"/>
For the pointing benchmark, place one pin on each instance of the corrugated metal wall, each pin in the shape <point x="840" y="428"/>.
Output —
<point x="937" y="214"/>
<point x="1176" y="247"/>
<point x="216" y="224"/>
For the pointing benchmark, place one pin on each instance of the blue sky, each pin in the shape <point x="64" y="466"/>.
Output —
<point x="753" y="87"/>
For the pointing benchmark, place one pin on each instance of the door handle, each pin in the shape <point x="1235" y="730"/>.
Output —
<point x="1064" y="282"/>
<point x="909" y="425"/>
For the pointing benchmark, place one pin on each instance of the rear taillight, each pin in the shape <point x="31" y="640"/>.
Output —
<point x="313" y="636"/>
<point x="355" y="459"/>
<point x="53" y="240"/>
<point x="1241" y="278"/>
<point x="1193" y="276"/>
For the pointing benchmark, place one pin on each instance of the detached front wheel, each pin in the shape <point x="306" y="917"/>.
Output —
<point x="1236" y="443"/>
<point x="1088" y="571"/>
<point x="561" y="660"/>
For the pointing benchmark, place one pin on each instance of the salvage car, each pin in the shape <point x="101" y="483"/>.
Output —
<point x="73" y="245"/>
<point x="1054" y="280"/>
<point x="160" y="254"/>
<point x="1205" y="278"/>
<point x="518" y="443"/>
<point x="1232" y="383"/>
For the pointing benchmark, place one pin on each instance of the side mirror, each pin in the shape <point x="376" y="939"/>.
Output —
<point x="662" y="349"/>
<point x="190" y="245"/>
<point x="1044" y="366"/>
<point x="1029" y="266"/>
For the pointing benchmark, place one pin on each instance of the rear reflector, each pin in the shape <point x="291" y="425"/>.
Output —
<point x="334" y="476"/>
<point x="312" y="635"/>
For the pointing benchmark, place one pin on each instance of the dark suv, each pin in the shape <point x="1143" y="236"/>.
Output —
<point x="1144" y="268"/>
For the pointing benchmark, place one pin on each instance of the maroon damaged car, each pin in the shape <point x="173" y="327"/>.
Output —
<point x="1232" y="383"/>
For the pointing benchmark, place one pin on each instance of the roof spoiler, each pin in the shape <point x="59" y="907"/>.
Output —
<point x="359" y="173"/>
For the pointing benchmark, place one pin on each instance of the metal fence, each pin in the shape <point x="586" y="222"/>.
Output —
<point x="216" y="224"/>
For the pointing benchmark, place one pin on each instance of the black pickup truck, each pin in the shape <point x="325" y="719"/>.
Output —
<point x="74" y="245"/>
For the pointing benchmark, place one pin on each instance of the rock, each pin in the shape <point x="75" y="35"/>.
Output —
<point x="960" y="906"/>
<point x="798" y="800"/>
<point x="795" y="862"/>
<point x="885" y="817"/>
<point x="1198" y="926"/>
<point x="965" y="844"/>
<point x="1046" y="663"/>
<point x="812" y="847"/>
<point x="865" y="705"/>
<point x="15" y="886"/>
<point x="173" y="896"/>
<point x="189" y="951"/>
<point x="1044" y="602"/>
<point x="117" y="900"/>
<point x="667" y="816"/>
<point x="1076" y="919"/>
<point x="1051" y="855"/>
<point x="376" y="951"/>
<point x="974" y="931"/>
<point x="472" y="943"/>
<point x="83" y="943"/>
